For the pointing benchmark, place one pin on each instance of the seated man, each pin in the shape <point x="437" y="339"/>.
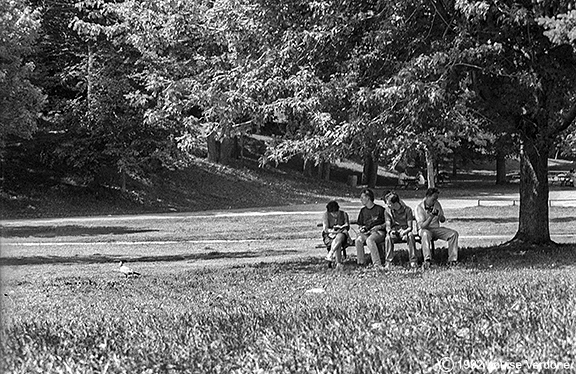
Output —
<point x="399" y="218"/>
<point x="420" y="180"/>
<point x="402" y="179"/>
<point x="429" y="214"/>
<point x="335" y="226"/>
<point x="372" y="228"/>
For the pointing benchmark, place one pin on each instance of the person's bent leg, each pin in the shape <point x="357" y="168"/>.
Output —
<point x="411" y="248"/>
<point x="337" y="246"/>
<point x="451" y="236"/>
<point x="426" y="238"/>
<point x="389" y="245"/>
<point x="372" y="242"/>
<point x="359" y="242"/>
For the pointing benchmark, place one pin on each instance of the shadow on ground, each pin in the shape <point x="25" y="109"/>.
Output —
<point x="71" y="230"/>
<point x="96" y="259"/>
<point x="507" y="219"/>
<point x="480" y="258"/>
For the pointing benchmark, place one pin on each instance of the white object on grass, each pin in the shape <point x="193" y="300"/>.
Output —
<point x="127" y="271"/>
<point x="315" y="290"/>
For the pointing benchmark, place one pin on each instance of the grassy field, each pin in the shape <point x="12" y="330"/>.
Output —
<point x="262" y="305"/>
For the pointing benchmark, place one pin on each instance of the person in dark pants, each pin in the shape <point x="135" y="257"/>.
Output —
<point x="371" y="221"/>
<point x="399" y="220"/>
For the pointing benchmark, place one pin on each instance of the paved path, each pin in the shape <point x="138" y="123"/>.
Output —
<point x="557" y="198"/>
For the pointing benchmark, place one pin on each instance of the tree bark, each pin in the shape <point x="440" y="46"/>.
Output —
<point x="370" y="171"/>
<point x="327" y="169"/>
<point x="430" y="167"/>
<point x="534" y="215"/>
<point x="308" y="168"/>
<point x="213" y="148"/>
<point x="367" y="168"/>
<point x="500" y="167"/>
<point x="90" y="83"/>
<point x="227" y="150"/>
<point x="324" y="170"/>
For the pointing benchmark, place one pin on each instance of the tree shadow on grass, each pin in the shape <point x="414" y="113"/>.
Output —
<point x="96" y="258"/>
<point x="506" y="219"/>
<point x="480" y="258"/>
<point x="70" y="230"/>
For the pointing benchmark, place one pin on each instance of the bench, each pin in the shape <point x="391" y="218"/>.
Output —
<point x="561" y="179"/>
<point x="410" y="182"/>
<point x="381" y="248"/>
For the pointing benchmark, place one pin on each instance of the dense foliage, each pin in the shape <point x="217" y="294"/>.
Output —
<point x="136" y="85"/>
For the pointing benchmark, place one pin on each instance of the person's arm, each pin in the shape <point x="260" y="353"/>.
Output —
<point x="423" y="217"/>
<point x="441" y="216"/>
<point x="360" y="221"/>
<point x="388" y="221"/>
<point x="325" y="223"/>
<point x="410" y="219"/>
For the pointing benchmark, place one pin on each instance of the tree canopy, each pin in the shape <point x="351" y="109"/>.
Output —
<point x="137" y="83"/>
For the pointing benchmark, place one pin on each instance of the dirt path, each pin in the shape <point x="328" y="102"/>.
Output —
<point x="557" y="198"/>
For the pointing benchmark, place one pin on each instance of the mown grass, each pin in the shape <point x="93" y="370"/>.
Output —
<point x="64" y="309"/>
<point x="263" y="318"/>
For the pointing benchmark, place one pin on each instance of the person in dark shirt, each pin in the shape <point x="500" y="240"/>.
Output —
<point x="371" y="221"/>
<point x="399" y="221"/>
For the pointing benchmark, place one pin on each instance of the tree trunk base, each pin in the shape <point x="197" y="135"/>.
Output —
<point x="519" y="244"/>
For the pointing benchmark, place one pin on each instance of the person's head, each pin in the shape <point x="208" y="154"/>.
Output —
<point x="332" y="207"/>
<point x="432" y="195"/>
<point x="393" y="200"/>
<point x="366" y="196"/>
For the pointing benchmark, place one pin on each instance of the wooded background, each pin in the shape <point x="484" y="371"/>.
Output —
<point x="92" y="88"/>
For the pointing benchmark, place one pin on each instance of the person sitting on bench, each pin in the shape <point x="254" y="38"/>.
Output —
<point x="371" y="221"/>
<point x="399" y="218"/>
<point x="402" y="179"/>
<point x="335" y="226"/>
<point x="429" y="214"/>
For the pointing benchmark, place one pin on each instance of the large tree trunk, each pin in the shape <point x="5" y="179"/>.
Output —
<point x="222" y="151"/>
<point x="213" y="148"/>
<point x="227" y="150"/>
<point x="500" y="167"/>
<point x="370" y="171"/>
<point x="534" y="217"/>
<point x="324" y="170"/>
<point x="430" y="167"/>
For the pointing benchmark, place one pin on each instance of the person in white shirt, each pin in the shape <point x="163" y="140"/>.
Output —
<point x="429" y="215"/>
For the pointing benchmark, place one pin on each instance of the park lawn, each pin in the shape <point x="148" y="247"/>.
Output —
<point x="489" y="220"/>
<point x="273" y="306"/>
<point x="296" y="316"/>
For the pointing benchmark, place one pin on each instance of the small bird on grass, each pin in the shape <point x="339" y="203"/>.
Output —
<point x="127" y="271"/>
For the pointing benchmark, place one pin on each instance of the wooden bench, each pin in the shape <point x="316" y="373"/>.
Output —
<point x="381" y="246"/>
<point x="561" y="179"/>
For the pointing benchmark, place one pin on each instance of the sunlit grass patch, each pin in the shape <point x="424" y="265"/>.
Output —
<point x="296" y="316"/>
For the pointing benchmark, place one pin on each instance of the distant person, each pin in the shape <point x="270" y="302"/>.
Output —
<point x="335" y="226"/>
<point x="402" y="179"/>
<point x="371" y="221"/>
<point x="420" y="180"/>
<point x="399" y="220"/>
<point x="429" y="214"/>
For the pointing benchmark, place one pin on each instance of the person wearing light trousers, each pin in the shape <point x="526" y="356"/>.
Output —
<point x="429" y="215"/>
